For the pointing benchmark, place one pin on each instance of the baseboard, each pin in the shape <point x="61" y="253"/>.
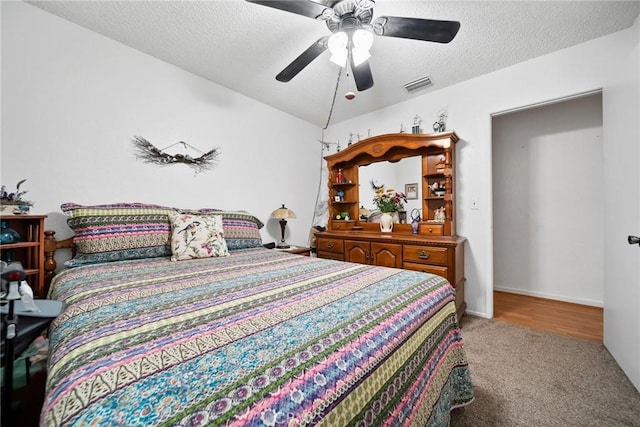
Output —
<point x="476" y="313"/>
<point x="580" y="301"/>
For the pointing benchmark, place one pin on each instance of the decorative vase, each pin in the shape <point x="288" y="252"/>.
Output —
<point x="8" y="235"/>
<point x="386" y="222"/>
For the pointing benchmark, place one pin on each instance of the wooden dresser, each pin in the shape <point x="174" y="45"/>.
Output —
<point x="435" y="247"/>
<point x="443" y="256"/>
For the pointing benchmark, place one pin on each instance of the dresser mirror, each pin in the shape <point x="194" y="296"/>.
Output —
<point x="394" y="160"/>
<point x="393" y="175"/>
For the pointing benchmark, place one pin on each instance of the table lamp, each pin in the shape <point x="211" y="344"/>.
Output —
<point x="283" y="214"/>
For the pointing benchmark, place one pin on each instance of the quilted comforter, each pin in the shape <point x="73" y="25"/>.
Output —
<point x="257" y="338"/>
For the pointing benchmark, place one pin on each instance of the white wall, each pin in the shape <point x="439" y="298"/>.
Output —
<point x="72" y="100"/>
<point x="548" y="201"/>
<point x="609" y="63"/>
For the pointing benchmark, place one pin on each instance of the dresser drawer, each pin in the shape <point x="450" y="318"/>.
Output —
<point x="330" y="255"/>
<point x="432" y="229"/>
<point x="328" y="244"/>
<point x="424" y="254"/>
<point x="426" y="268"/>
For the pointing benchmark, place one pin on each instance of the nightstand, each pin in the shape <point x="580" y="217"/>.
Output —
<point x="298" y="250"/>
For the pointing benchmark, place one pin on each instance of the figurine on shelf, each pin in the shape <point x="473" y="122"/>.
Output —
<point x="339" y="176"/>
<point x="340" y="196"/>
<point x="416" y="125"/>
<point x="415" y="220"/>
<point x="440" y="125"/>
<point x="439" y="214"/>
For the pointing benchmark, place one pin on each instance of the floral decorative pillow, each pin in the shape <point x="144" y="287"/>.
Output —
<point x="241" y="229"/>
<point x="197" y="236"/>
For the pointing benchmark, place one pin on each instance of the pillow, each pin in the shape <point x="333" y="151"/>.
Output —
<point x="194" y="236"/>
<point x="241" y="229"/>
<point x="120" y="231"/>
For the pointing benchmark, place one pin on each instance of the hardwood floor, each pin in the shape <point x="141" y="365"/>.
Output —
<point x="573" y="320"/>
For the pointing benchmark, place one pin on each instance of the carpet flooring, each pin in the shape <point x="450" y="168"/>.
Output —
<point x="525" y="377"/>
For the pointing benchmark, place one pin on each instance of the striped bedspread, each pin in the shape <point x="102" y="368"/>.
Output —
<point x="259" y="338"/>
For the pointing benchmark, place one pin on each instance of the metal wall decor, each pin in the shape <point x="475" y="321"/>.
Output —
<point x="149" y="153"/>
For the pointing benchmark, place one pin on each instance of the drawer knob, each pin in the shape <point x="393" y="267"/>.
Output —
<point x="330" y="245"/>
<point x="423" y="255"/>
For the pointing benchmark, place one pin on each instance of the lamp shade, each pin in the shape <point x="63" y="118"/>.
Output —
<point x="283" y="213"/>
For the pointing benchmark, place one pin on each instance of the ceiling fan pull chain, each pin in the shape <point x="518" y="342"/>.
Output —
<point x="333" y="101"/>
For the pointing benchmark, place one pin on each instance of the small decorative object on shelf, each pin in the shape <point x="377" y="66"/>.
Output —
<point x="340" y="196"/>
<point x="415" y="220"/>
<point x="339" y="177"/>
<point x="387" y="200"/>
<point x="386" y="222"/>
<point x="14" y="201"/>
<point x="439" y="215"/>
<point x="401" y="127"/>
<point x="350" y="140"/>
<point x="440" y="124"/>
<point x="440" y="165"/>
<point x="8" y="235"/>
<point x="364" y="213"/>
<point x="415" y="129"/>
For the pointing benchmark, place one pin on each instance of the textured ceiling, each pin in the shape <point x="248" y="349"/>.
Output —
<point x="243" y="46"/>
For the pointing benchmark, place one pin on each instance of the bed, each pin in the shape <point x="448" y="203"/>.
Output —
<point x="255" y="337"/>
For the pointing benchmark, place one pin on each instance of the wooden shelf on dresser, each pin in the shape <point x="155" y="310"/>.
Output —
<point x="441" y="255"/>
<point x="29" y="250"/>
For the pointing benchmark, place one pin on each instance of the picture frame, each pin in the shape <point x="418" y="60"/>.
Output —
<point x="411" y="191"/>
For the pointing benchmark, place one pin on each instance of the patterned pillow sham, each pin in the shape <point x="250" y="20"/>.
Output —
<point x="197" y="236"/>
<point x="120" y="231"/>
<point x="241" y="229"/>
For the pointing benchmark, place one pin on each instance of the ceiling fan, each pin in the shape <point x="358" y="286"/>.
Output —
<point x="350" y="21"/>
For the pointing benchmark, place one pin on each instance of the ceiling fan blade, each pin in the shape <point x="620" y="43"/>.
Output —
<point x="428" y="30"/>
<point x="362" y="75"/>
<point x="299" y="7"/>
<point x="303" y="60"/>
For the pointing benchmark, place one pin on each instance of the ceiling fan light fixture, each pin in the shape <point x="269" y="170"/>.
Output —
<point x="339" y="58"/>
<point x="337" y="45"/>
<point x="362" y="39"/>
<point x="359" y="56"/>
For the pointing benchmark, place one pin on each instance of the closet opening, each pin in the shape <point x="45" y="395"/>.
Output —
<point x="548" y="216"/>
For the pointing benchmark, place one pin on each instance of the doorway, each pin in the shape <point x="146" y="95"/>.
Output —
<point x="548" y="201"/>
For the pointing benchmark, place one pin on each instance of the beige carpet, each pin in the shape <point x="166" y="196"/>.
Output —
<point x="525" y="377"/>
